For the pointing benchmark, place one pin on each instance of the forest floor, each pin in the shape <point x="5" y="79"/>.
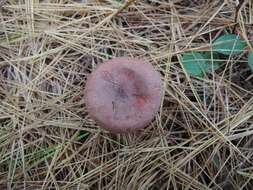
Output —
<point x="202" y="137"/>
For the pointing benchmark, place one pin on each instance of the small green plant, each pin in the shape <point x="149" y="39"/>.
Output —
<point x="194" y="63"/>
<point x="229" y="44"/>
<point x="82" y="135"/>
<point x="212" y="60"/>
<point x="250" y="60"/>
<point x="197" y="63"/>
<point x="10" y="37"/>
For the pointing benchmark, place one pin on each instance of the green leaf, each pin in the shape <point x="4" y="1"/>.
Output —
<point x="245" y="174"/>
<point x="11" y="37"/>
<point x="212" y="60"/>
<point x="250" y="60"/>
<point x="194" y="63"/>
<point x="251" y="43"/>
<point x="216" y="160"/>
<point x="229" y="44"/>
<point x="82" y="135"/>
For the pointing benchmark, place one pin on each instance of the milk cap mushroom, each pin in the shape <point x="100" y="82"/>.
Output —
<point x="123" y="94"/>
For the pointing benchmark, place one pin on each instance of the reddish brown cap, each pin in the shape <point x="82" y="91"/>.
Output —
<point x="123" y="94"/>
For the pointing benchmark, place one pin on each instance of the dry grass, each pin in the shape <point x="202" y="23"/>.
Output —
<point x="201" y="139"/>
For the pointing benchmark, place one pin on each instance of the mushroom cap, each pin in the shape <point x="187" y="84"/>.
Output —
<point x="123" y="94"/>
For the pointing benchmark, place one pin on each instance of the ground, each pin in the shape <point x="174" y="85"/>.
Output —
<point x="200" y="139"/>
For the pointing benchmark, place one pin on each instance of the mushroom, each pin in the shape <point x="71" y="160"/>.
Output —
<point x="124" y="94"/>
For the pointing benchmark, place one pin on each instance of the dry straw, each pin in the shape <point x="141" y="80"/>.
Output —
<point x="202" y="136"/>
